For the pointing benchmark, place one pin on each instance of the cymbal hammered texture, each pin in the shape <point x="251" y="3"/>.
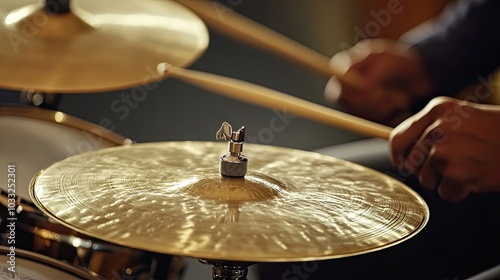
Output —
<point x="299" y="205"/>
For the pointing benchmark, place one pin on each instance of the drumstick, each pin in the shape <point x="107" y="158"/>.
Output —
<point x="252" y="32"/>
<point x="269" y="98"/>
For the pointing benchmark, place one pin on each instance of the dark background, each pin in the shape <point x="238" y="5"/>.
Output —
<point x="175" y="111"/>
<point x="179" y="111"/>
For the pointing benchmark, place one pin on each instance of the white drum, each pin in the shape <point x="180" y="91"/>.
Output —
<point x="32" y="139"/>
<point x="21" y="264"/>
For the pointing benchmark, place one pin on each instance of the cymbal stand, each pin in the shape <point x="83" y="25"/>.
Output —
<point x="57" y="6"/>
<point x="231" y="165"/>
<point x="228" y="270"/>
<point x="39" y="99"/>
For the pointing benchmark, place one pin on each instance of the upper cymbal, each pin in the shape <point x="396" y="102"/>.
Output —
<point x="169" y="198"/>
<point x="97" y="46"/>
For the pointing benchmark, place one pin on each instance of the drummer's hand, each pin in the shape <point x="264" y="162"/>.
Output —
<point x="392" y="76"/>
<point x="452" y="146"/>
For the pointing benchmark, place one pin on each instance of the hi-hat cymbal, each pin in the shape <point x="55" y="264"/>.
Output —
<point x="169" y="198"/>
<point x="96" y="46"/>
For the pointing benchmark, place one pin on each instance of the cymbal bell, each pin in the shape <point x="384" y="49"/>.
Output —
<point x="169" y="198"/>
<point x="96" y="46"/>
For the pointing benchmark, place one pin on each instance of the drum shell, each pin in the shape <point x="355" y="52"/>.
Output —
<point x="21" y="264"/>
<point x="52" y="136"/>
<point x="34" y="232"/>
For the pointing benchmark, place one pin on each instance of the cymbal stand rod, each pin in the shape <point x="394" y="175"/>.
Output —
<point x="227" y="270"/>
<point x="57" y="6"/>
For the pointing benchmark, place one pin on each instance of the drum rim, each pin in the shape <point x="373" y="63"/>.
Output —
<point x="54" y="263"/>
<point x="17" y="110"/>
<point x="42" y="231"/>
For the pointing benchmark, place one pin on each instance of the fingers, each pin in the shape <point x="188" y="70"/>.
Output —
<point x="421" y="159"/>
<point x="403" y="137"/>
<point x="332" y="90"/>
<point x="375" y="64"/>
<point x="430" y="173"/>
<point x="452" y="190"/>
<point x="429" y="159"/>
<point x="374" y="105"/>
<point x="352" y="59"/>
<point x="444" y="157"/>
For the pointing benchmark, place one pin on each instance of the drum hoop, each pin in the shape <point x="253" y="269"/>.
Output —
<point x="54" y="263"/>
<point x="59" y="117"/>
<point x="26" y="206"/>
<point x="84" y="241"/>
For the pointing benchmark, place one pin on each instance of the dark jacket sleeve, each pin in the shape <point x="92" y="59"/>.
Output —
<point x="463" y="45"/>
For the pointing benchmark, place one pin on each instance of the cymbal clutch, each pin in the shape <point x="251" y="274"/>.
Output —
<point x="234" y="163"/>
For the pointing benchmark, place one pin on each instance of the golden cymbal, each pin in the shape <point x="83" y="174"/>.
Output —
<point x="169" y="198"/>
<point x="96" y="46"/>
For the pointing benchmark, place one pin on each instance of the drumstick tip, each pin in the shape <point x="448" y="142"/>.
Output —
<point x="164" y="68"/>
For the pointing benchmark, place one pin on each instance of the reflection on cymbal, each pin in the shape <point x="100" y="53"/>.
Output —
<point x="169" y="198"/>
<point x="97" y="46"/>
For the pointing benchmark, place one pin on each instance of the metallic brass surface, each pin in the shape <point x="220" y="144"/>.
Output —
<point x="98" y="46"/>
<point x="58" y="117"/>
<point x="169" y="198"/>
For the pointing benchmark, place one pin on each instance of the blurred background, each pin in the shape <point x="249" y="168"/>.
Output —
<point x="177" y="111"/>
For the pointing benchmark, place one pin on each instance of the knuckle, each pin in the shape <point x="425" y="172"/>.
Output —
<point x="441" y="104"/>
<point x="427" y="181"/>
<point x="439" y="153"/>
<point x="452" y="192"/>
<point x="438" y="134"/>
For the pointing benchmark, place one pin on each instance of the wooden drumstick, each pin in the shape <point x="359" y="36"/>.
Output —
<point x="254" y="33"/>
<point x="269" y="98"/>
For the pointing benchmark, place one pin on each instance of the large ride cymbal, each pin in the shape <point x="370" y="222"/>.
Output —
<point x="96" y="46"/>
<point x="169" y="198"/>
